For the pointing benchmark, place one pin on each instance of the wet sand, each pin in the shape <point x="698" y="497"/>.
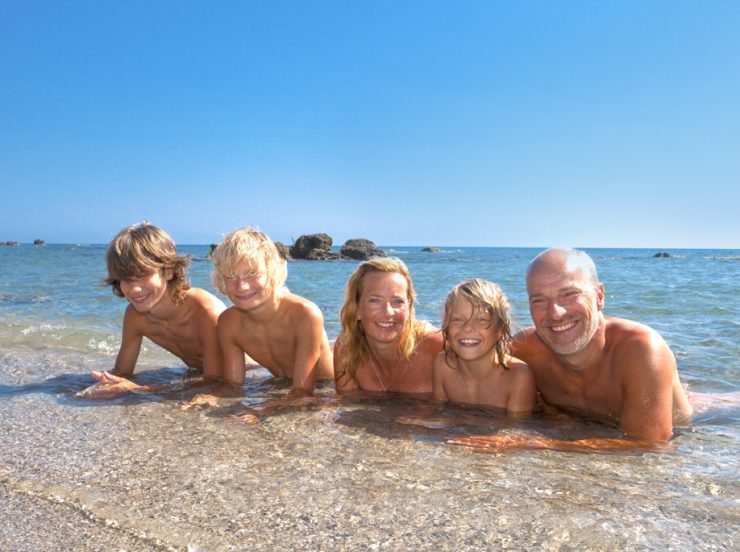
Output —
<point x="139" y="474"/>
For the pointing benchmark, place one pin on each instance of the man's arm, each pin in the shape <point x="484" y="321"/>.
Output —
<point x="647" y="367"/>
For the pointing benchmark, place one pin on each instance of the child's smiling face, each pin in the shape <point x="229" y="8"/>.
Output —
<point x="471" y="331"/>
<point x="145" y="292"/>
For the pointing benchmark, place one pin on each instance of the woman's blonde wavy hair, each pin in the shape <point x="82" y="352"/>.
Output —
<point x="140" y="250"/>
<point x="247" y="245"/>
<point x="489" y="298"/>
<point x="351" y="341"/>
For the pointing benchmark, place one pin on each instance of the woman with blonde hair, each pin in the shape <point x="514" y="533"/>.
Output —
<point x="381" y="347"/>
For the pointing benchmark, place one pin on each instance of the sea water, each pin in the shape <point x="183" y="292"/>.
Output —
<point x="138" y="473"/>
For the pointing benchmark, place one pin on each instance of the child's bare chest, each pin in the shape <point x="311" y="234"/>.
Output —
<point x="272" y="347"/>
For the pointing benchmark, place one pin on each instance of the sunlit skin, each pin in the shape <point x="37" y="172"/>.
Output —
<point x="187" y="329"/>
<point x="279" y="330"/>
<point x="383" y="312"/>
<point x="474" y="375"/>
<point x="588" y="364"/>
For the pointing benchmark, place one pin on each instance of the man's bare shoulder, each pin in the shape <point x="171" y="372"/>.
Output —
<point x="526" y="345"/>
<point x="628" y="334"/>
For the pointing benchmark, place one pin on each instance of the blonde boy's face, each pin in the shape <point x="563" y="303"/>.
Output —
<point x="248" y="288"/>
<point x="471" y="332"/>
<point x="145" y="292"/>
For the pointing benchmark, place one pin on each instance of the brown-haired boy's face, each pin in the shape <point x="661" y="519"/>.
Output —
<point x="145" y="292"/>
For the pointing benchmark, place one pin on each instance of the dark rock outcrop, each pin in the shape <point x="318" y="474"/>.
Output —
<point x="307" y="243"/>
<point x="361" y="249"/>
<point x="39" y="242"/>
<point x="663" y="255"/>
<point x="431" y="250"/>
<point x="283" y="249"/>
<point x="9" y="243"/>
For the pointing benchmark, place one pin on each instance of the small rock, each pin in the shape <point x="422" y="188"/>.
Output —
<point x="431" y="250"/>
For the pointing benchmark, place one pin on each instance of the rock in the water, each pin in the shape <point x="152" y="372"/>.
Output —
<point x="431" y="250"/>
<point x="308" y="242"/>
<point x="361" y="249"/>
<point x="283" y="249"/>
<point x="663" y="255"/>
<point x="322" y="255"/>
<point x="39" y="242"/>
<point x="9" y="243"/>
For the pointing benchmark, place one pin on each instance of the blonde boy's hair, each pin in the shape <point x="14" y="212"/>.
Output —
<point x="351" y="340"/>
<point x="247" y="245"/>
<point x="489" y="298"/>
<point x="141" y="250"/>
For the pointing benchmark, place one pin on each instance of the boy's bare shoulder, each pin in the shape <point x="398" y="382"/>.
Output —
<point x="518" y="368"/>
<point x="205" y="299"/>
<point x="300" y="307"/>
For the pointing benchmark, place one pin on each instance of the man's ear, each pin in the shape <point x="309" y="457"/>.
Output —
<point x="600" y="296"/>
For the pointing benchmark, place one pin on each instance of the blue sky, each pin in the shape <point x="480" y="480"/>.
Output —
<point x="490" y="123"/>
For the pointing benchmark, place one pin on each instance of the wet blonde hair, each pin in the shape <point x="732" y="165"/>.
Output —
<point x="141" y="250"/>
<point x="351" y="340"/>
<point x="487" y="297"/>
<point x="247" y="245"/>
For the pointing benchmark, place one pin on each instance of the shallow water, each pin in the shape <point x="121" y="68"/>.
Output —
<point x="137" y="473"/>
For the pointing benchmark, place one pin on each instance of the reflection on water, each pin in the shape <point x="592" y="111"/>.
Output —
<point x="341" y="474"/>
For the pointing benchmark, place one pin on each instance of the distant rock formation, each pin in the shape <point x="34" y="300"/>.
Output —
<point x="361" y="249"/>
<point x="431" y="250"/>
<point x="39" y="242"/>
<point x="314" y="247"/>
<point x="283" y="249"/>
<point x="663" y="255"/>
<point x="9" y="243"/>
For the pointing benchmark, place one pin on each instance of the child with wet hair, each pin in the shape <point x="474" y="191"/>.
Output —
<point x="145" y="269"/>
<point x="278" y="329"/>
<point x="475" y="367"/>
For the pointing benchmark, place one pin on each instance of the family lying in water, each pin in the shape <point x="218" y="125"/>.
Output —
<point x="573" y="359"/>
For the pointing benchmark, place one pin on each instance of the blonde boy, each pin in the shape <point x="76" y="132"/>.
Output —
<point x="144" y="268"/>
<point x="279" y="330"/>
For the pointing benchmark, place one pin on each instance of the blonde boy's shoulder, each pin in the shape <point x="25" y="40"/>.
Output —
<point x="205" y="299"/>
<point x="300" y="307"/>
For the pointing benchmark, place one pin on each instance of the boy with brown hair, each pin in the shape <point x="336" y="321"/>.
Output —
<point x="144" y="268"/>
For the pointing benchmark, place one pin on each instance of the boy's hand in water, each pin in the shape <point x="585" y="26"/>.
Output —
<point x="108" y="386"/>
<point x="201" y="399"/>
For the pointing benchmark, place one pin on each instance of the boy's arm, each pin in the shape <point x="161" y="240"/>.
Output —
<point x="115" y="383"/>
<point x="131" y="338"/>
<point x="309" y="337"/>
<point x="212" y="357"/>
<point x="343" y="381"/>
<point x="523" y="391"/>
<point x="233" y="356"/>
